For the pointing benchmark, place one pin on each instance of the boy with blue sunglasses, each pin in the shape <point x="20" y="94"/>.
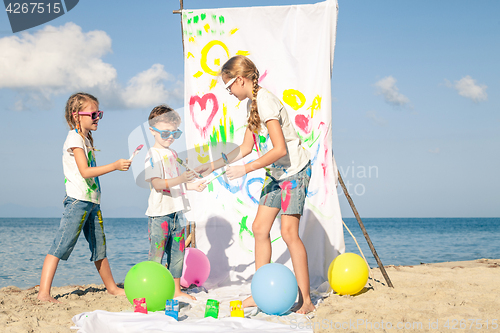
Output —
<point x="167" y="201"/>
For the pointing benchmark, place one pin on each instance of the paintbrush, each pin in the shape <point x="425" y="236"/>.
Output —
<point x="224" y="157"/>
<point x="211" y="180"/>
<point x="181" y="162"/>
<point x="136" y="151"/>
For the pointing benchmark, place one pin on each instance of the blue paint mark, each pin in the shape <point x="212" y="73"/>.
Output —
<point x="250" y="182"/>
<point x="151" y="162"/>
<point x="232" y="189"/>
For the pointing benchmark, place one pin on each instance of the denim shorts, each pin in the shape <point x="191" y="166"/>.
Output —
<point x="166" y="235"/>
<point x="288" y="194"/>
<point x="78" y="215"/>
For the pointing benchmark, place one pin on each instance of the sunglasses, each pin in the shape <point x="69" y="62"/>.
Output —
<point x="166" y="134"/>
<point x="229" y="83"/>
<point x="95" y="115"/>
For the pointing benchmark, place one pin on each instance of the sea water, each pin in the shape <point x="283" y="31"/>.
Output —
<point x="24" y="243"/>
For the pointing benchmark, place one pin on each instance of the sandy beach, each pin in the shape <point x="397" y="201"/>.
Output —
<point x="458" y="296"/>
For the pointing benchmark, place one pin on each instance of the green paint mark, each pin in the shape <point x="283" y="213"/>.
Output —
<point x="65" y="180"/>
<point x="239" y="200"/>
<point x="195" y="19"/>
<point x="309" y="139"/>
<point x="214" y="17"/>
<point x="221" y="135"/>
<point x="190" y="20"/>
<point x="203" y="16"/>
<point x="318" y="211"/>
<point x="210" y="187"/>
<point x="199" y="32"/>
<point x="244" y="228"/>
<point x="275" y="239"/>
<point x="221" y="19"/>
<point x="262" y="139"/>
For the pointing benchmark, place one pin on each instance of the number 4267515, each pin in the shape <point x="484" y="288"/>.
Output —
<point x="33" y="7"/>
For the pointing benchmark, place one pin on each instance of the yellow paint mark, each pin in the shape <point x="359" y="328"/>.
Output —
<point x="204" y="54"/>
<point x="316" y="105"/>
<point x="238" y="105"/>
<point x="217" y="61"/>
<point x="198" y="74"/>
<point x="191" y="39"/>
<point x="294" y="98"/>
<point x="190" y="55"/>
<point x="213" y="83"/>
<point x="233" y="31"/>
<point x="202" y="155"/>
<point x="243" y="53"/>
<point x="207" y="27"/>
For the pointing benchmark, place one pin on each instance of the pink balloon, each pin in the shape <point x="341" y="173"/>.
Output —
<point x="196" y="267"/>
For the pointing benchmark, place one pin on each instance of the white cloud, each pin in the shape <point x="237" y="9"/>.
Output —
<point x="62" y="60"/>
<point x="376" y="119"/>
<point x="434" y="151"/>
<point x="387" y="88"/>
<point x="468" y="88"/>
<point x="147" y="88"/>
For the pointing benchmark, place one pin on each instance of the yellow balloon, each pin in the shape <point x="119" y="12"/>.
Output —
<point x="348" y="274"/>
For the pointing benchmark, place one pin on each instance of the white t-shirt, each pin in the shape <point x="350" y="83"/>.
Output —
<point x="161" y="163"/>
<point x="76" y="186"/>
<point x="270" y="107"/>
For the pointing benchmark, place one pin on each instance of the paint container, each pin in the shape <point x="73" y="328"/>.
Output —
<point x="172" y="308"/>
<point x="212" y="308"/>
<point x="140" y="305"/>
<point x="236" y="309"/>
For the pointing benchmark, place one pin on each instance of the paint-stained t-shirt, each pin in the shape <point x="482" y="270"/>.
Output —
<point x="76" y="186"/>
<point x="270" y="107"/>
<point x="161" y="163"/>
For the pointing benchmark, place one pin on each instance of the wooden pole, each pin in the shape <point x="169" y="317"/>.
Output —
<point x="355" y="211"/>
<point x="181" y="4"/>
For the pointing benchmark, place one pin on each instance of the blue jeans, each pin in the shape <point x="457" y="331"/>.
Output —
<point x="289" y="194"/>
<point x="166" y="235"/>
<point x="80" y="215"/>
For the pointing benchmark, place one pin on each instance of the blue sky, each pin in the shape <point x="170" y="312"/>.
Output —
<point x="415" y="87"/>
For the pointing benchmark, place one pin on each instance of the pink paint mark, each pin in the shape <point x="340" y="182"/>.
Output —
<point x="164" y="226"/>
<point x="285" y="194"/>
<point x="202" y="101"/>
<point x="182" y="243"/>
<point x="263" y="76"/>
<point x="140" y="305"/>
<point x="303" y="122"/>
<point x="324" y="164"/>
<point x="256" y="144"/>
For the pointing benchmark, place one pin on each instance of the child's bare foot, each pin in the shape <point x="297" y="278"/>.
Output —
<point x="183" y="294"/>
<point x="116" y="291"/>
<point x="249" y="302"/>
<point x="47" y="298"/>
<point x="305" y="308"/>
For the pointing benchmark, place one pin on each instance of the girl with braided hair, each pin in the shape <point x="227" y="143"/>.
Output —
<point x="83" y="192"/>
<point x="287" y="165"/>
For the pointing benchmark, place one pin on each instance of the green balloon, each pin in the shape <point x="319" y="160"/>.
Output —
<point x="152" y="281"/>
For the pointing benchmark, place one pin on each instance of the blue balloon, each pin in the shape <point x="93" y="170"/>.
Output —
<point x="274" y="289"/>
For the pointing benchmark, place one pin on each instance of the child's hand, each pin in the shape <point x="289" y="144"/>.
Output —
<point x="204" y="169"/>
<point x="122" y="164"/>
<point x="199" y="186"/>
<point x="188" y="176"/>
<point x="236" y="171"/>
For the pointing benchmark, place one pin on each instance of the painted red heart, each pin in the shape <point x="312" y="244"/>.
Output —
<point x="303" y="123"/>
<point x="202" y="101"/>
